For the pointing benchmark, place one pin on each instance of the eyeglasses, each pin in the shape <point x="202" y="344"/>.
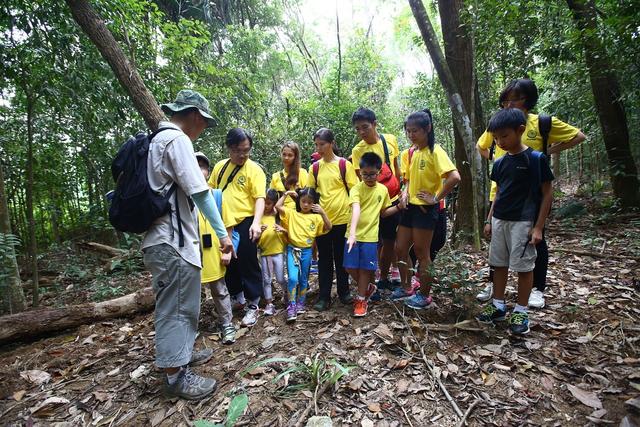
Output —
<point x="508" y="102"/>
<point x="369" y="175"/>
<point x="237" y="152"/>
<point x="362" y="128"/>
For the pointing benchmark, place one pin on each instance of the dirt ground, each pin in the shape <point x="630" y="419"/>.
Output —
<point x="578" y="366"/>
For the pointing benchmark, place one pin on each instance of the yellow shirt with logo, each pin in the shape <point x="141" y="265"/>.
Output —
<point x="334" y="198"/>
<point x="372" y="201"/>
<point x="212" y="268"/>
<point x="560" y="132"/>
<point x="271" y="242"/>
<point x="404" y="164"/>
<point x="276" y="184"/>
<point x="302" y="228"/>
<point x="241" y="194"/>
<point x="362" y="147"/>
<point x="426" y="171"/>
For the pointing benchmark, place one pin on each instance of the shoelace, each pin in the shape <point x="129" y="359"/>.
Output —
<point x="490" y="309"/>
<point x="192" y="379"/>
<point x="519" y="318"/>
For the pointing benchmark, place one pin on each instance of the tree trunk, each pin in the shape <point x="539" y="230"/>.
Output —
<point x="460" y="117"/>
<point x="555" y="162"/>
<point x="94" y="27"/>
<point x="458" y="48"/>
<point x="606" y="93"/>
<point x="14" y="296"/>
<point x="37" y="322"/>
<point x="31" y="224"/>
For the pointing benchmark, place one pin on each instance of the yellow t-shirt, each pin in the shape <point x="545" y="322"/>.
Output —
<point x="372" y="201"/>
<point x="212" y="268"/>
<point x="404" y="164"/>
<point x="362" y="147"/>
<point x="271" y="242"/>
<point x="426" y="172"/>
<point x="240" y="195"/>
<point x="302" y="228"/>
<point x="560" y="132"/>
<point x="276" y="184"/>
<point x="334" y="198"/>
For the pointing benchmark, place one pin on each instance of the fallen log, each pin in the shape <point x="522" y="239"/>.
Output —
<point x="594" y="254"/>
<point x="104" y="249"/>
<point x="30" y="324"/>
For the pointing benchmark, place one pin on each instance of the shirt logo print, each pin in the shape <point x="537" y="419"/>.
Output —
<point x="312" y="226"/>
<point x="241" y="180"/>
<point x="532" y="134"/>
<point x="422" y="164"/>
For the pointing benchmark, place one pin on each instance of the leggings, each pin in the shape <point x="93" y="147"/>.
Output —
<point x="298" y="264"/>
<point x="272" y="265"/>
<point x="330" y="254"/>
<point x="243" y="273"/>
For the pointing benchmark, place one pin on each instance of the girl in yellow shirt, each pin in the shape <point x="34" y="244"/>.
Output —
<point x="292" y="176"/>
<point x="303" y="225"/>
<point x="419" y="202"/>
<point x="271" y="246"/>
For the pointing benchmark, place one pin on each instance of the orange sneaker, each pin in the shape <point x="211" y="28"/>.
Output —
<point x="360" y="307"/>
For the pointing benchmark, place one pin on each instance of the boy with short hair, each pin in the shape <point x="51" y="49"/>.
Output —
<point x="517" y="216"/>
<point x="369" y="201"/>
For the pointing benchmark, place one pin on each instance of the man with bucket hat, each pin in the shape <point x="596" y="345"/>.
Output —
<point x="171" y="246"/>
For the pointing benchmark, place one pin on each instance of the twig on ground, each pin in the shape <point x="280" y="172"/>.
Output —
<point x="593" y="254"/>
<point x="429" y="365"/>
<point x="406" y="416"/>
<point x="468" y="411"/>
<point x="317" y="396"/>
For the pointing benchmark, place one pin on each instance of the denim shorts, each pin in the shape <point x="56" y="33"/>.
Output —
<point x="363" y="256"/>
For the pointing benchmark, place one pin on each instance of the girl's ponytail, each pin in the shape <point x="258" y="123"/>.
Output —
<point x="432" y="136"/>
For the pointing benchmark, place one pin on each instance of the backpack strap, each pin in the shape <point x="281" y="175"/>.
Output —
<point x="315" y="168"/>
<point x="342" y="164"/>
<point x="492" y="149"/>
<point x="282" y="179"/>
<point x="387" y="160"/>
<point x="536" y="165"/>
<point x="544" y="127"/>
<point x="180" y="233"/>
<point x="231" y="176"/>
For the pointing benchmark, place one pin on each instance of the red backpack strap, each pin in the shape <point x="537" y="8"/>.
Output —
<point x="412" y="150"/>
<point x="342" y="164"/>
<point x="315" y="168"/>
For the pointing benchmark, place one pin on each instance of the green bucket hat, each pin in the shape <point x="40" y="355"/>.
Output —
<point x="188" y="98"/>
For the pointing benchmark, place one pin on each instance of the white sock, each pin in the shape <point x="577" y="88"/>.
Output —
<point x="172" y="378"/>
<point x="520" y="309"/>
<point x="499" y="304"/>
<point x="360" y="297"/>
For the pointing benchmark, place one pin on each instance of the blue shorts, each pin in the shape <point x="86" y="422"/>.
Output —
<point x="363" y="256"/>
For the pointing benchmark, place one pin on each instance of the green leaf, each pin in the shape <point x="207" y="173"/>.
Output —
<point x="236" y="409"/>
<point x="205" y="423"/>
<point x="592" y="301"/>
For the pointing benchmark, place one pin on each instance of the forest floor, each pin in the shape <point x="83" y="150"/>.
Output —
<point x="578" y="366"/>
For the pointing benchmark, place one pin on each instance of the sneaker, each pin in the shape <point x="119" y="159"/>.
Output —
<point x="519" y="323"/>
<point x="292" y="312"/>
<point x="395" y="274"/>
<point x="491" y="314"/>
<point x="384" y="284"/>
<point x="360" y="307"/>
<point x="485" y="294"/>
<point x="269" y="309"/>
<point x="418" y="301"/>
<point x="228" y="333"/>
<point x="415" y="282"/>
<point x="251" y="316"/>
<point x="347" y="299"/>
<point x="321" y="305"/>
<point x="536" y="299"/>
<point x="200" y="357"/>
<point x="190" y="386"/>
<point x="300" y="307"/>
<point x="401" y="293"/>
<point x="371" y="289"/>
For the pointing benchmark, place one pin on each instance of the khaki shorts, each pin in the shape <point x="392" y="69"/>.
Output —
<point x="510" y="245"/>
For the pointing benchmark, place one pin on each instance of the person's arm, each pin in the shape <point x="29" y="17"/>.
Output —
<point x="561" y="146"/>
<point x="280" y="203"/>
<point x="207" y="205"/>
<point x="397" y="169"/>
<point x="452" y="178"/>
<point x="256" y="229"/>
<point x="355" y="217"/>
<point x="487" y="222"/>
<point x="484" y="152"/>
<point x="391" y="210"/>
<point x="316" y="208"/>
<point x="545" y="207"/>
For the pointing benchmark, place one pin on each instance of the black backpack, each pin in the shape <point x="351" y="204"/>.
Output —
<point x="544" y="127"/>
<point x="134" y="205"/>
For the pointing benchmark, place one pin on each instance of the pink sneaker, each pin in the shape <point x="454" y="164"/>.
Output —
<point x="395" y="274"/>
<point x="415" y="283"/>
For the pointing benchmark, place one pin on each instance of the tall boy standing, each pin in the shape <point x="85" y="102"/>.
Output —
<point x="517" y="216"/>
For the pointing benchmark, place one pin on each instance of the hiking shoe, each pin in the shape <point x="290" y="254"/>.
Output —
<point x="251" y="316"/>
<point x="491" y="314"/>
<point x="189" y="386"/>
<point x="385" y="284"/>
<point x="536" y="299"/>
<point x="300" y="307"/>
<point x="314" y="267"/>
<point x="485" y="294"/>
<point x="269" y="309"/>
<point x="401" y="293"/>
<point x="418" y="301"/>
<point x="415" y="282"/>
<point x="200" y="357"/>
<point x="360" y="307"/>
<point x="519" y="323"/>
<point x="228" y="334"/>
<point x="372" y="289"/>
<point x="292" y="312"/>
<point x="395" y="274"/>
<point x="321" y="305"/>
<point x="346" y="299"/>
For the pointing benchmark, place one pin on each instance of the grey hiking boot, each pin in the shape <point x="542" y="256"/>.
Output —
<point x="190" y="386"/>
<point x="228" y="334"/>
<point x="201" y="357"/>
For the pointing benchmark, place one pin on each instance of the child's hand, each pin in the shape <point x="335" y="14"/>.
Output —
<point x="536" y="236"/>
<point x="351" y="241"/>
<point x="279" y="228"/>
<point x="427" y="197"/>
<point x="316" y="208"/>
<point x="225" y="259"/>
<point x="263" y="227"/>
<point x="404" y="199"/>
<point x="291" y="193"/>
<point x="487" y="231"/>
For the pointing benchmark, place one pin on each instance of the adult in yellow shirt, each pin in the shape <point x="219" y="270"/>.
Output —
<point x="430" y="165"/>
<point x="523" y="95"/>
<point x="243" y="186"/>
<point x="334" y="199"/>
<point x="291" y="176"/>
<point x="365" y="124"/>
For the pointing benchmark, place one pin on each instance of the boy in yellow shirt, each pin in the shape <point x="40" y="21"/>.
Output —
<point x="369" y="201"/>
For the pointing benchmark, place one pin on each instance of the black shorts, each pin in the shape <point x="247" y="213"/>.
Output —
<point x="388" y="227"/>
<point x="420" y="216"/>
